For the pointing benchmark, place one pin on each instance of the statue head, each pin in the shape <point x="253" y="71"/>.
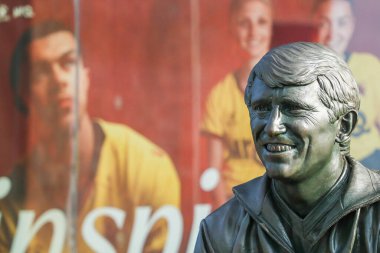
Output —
<point x="302" y="99"/>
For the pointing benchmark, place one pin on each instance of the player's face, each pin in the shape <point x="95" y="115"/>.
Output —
<point x="292" y="131"/>
<point x="335" y="24"/>
<point x="252" y="26"/>
<point x="53" y="67"/>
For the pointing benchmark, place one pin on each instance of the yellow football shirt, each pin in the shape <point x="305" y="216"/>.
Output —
<point x="132" y="172"/>
<point x="227" y="117"/>
<point x="366" y="138"/>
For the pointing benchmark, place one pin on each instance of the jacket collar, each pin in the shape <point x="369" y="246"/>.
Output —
<point x="363" y="188"/>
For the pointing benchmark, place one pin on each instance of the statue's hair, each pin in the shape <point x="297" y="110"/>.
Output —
<point x="20" y="57"/>
<point x="302" y="63"/>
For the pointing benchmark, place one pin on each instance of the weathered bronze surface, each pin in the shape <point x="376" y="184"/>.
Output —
<point x="303" y="104"/>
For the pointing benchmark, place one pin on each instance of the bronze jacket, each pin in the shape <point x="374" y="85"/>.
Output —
<point x="252" y="222"/>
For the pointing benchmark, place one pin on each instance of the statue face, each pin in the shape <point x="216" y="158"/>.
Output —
<point x="293" y="135"/>
<point x="53" y="63"/>
<point x="335" y="24"/>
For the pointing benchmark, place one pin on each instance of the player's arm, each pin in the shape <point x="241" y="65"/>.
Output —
<point x="215" y="160"/>
<point x="8" y="223"/>
<point x="213" y="128"/>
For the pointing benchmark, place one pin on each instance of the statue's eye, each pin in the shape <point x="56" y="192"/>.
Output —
<point x="262" y="107"/>
<point x="292" y="109"/>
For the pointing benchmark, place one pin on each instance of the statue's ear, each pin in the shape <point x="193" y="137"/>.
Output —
<point x="347" y="125"/>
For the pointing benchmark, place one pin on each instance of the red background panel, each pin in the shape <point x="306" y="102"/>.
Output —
<point x="142" y="68"/>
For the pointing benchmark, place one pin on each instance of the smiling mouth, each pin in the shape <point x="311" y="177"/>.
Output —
<point x="276" y="148"/>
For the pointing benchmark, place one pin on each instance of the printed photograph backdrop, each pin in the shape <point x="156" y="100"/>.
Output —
<point x="151" y="66"/>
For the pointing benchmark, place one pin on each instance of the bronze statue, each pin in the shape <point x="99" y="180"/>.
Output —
<point x="303" y="103"/>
